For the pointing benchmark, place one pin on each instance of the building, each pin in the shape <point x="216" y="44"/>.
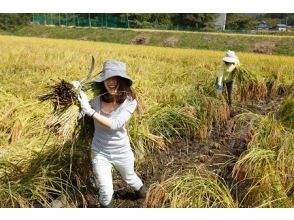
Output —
<point x="281" y="27"/>
<point x="262" y="26"/>
<point x="220" y="22"/>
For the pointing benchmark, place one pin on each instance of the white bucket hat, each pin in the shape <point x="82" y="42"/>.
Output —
<point x="231" y="57"/>
<point x="113" y="68"/>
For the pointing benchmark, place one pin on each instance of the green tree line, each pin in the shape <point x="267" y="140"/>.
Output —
<point x="195" y="21"/>
<point x="13" y="20"/>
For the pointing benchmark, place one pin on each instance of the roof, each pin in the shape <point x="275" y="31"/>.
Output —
<point x="282" y="25"/>
<point x="262" y="25"/>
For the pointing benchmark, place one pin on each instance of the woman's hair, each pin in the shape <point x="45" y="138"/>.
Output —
<point x="124" y="91"/>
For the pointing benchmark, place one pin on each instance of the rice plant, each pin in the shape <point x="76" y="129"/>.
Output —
<point x="286" y="112"/>
<point x="196" y="188"/>
<point x="250" y="85"/>
<point x="177" y="99"/>
<point x="268" y="164"/>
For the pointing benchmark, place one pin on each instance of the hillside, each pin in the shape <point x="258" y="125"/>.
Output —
<point x="268" y="44"/>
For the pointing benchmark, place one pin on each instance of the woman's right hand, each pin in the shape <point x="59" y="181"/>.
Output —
<point x="76" y="84"/>
<point x="85" y="105"/>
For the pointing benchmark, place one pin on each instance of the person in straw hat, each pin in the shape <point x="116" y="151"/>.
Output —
<point x="111" y="110"/>
<point x="225" y="76"/>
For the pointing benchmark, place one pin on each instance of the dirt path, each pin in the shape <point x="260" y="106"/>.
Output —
<point x="213" y="153"/>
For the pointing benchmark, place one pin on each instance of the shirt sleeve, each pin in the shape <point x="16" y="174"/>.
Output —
<point x="220" y="74"/>
<point x="120" y="120"/>
<point x="95" y="103"/>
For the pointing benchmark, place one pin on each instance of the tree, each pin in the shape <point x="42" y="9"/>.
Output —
<point x="13" y="21"/>
<point x="240" y="22"/>
<point x="198" y="20"/>
<point x="282" y="18"/>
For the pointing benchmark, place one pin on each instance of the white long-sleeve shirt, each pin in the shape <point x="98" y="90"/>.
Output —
<point x="113" y="140"/>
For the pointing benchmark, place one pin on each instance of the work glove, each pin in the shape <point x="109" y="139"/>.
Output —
<point x="76" y="84"/>
<point x="85" y="105"/>
<point x="219" y="88"/>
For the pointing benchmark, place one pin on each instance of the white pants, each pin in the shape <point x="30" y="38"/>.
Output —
<point x="102" y="165"/>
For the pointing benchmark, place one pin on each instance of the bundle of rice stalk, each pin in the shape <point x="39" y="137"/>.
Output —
<point x="211" y="109"/>
<point x="173" y="121"/>
<point x="66" y="108"/>
<point x="259" y="169"/>
<point x="62" y="95"/>
<point x="214" y="110"/>
<point x="277" y="86"/>
<point x="286" y="112"/>
<point x="33" y="182"/>
<point x="197" y="188"/>
<point x="250" y="85"/>
<point x="268" y="163"/>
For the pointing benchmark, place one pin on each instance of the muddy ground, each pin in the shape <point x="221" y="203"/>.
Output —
<point x="222" y="145"/>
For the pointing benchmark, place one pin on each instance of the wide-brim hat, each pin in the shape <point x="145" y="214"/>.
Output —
<point x="113" y="68"/>
<point x="231" y="57"/>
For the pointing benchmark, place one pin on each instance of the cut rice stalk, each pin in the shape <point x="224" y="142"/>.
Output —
<point x="66" y="108"/>
<point x="250" y="85"/>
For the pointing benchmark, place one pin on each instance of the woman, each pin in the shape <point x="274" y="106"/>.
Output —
<point x="111" y="109"/>
<point x="225" y="76"/>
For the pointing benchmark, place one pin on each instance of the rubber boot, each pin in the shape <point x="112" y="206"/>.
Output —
<point x="141" y="193"/>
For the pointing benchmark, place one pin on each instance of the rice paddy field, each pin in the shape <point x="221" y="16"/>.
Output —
<point x="189" y="149"/>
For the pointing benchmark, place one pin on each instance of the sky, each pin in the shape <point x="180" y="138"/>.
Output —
<point x="146" y="6"/>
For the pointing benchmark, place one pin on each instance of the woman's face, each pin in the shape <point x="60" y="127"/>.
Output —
<point x="111" y="85"/>
<point x="229" y="67"/>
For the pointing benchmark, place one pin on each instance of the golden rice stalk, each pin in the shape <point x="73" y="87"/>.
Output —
<point x="250" y="85"/>
<point x="268" y="164"/>
<point x="286" y="112"/>
<point x="16" y="130"/>
<point x="276" y="86"/>
<point x="63" y="124"/>
<point x="63" y="97"/>
<point x="197" y="188"/>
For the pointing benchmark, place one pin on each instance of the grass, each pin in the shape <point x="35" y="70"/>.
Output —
<point x="283" y="45"/>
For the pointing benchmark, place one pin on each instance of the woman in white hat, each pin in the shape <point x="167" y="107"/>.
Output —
<point x="226" y="74"/>
<point x="111" y="110"/>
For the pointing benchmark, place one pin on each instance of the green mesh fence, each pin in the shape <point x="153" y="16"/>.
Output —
<point x="102" y="20"/>
<point x="81" y="20"/>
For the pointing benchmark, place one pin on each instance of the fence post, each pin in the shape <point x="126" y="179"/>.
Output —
<point x="128" y="20"/>
<point x="106" y="20"/>
<point x="89" y="19"/>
